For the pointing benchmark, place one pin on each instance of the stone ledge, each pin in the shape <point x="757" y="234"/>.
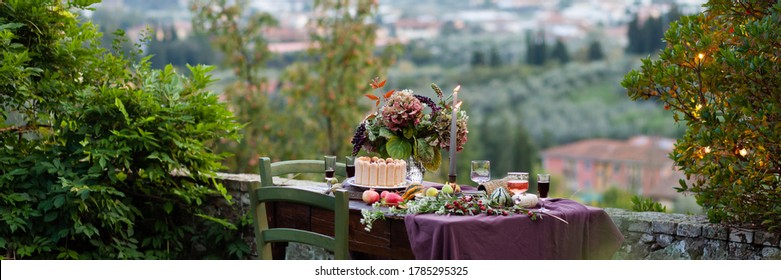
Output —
<point x="715" y="231"/>
<point x="689" y="230"/>
<point x="666" y="227"/>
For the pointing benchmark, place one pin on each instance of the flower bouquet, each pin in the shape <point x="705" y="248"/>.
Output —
<point x="408" y="125"/>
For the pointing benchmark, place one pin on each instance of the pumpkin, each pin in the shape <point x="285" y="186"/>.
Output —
<point x="501" y="197"/>
<point x="412" y="190"/>
<point x="525" y="200"/>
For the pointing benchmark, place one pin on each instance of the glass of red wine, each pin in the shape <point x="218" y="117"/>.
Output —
<point x="543" y="186"/>
<point x="330" y="170"/>
<point x="349" y="163"/>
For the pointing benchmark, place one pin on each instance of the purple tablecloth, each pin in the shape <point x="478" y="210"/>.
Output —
<point x="590" y="234"/>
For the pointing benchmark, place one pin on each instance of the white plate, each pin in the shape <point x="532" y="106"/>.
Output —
<point x="406" y="183"/>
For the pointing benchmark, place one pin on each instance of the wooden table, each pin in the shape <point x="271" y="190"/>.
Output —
<point x="388" y="238"/>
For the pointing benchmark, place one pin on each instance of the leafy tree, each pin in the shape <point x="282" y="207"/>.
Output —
<point x="504" y="140"/>
<point x="106" y="159"/>
<point x="720" y="75"/>
<point x="419" y="53"/>
<point x="238" y="34"/>
<point x="324" y="92"/>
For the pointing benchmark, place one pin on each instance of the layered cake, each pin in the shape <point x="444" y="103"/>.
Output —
<point x="374" y="171"/>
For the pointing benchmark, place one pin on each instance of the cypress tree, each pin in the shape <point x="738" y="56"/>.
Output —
<point x="560" y="52"/>
<point x="595" y="51"/>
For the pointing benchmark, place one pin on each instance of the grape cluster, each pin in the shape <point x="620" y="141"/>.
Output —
<point x="430" y="103"/>
<point x="359" y="138"/>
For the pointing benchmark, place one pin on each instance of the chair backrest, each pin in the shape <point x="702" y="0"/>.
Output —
<point x="267" y="192"/>
<point x="269" y="170"/>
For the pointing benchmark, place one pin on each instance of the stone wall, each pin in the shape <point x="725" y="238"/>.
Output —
<point x="664" y="236"/>
<point x="647" y="235"/>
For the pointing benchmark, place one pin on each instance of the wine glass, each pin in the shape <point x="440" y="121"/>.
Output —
<point x="517" y="182"/>
<point x="543" y="186"/>
<point x="330" y="170"/>
<point x="481" y="171"/>
<point x="349" y="164"/>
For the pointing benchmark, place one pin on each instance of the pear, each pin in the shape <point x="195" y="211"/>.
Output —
<point x="447" y="189"/>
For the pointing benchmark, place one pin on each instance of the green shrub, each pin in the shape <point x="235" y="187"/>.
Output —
<point x="721" y="76"/>
<point x="106" y="159"/>
<point x="615" y="197"/>
<point x="640" y="204"/>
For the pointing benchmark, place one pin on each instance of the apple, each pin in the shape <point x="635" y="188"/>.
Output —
<point x="432" y="191"/>
<point x="370" y="196"/>
<point x="384" y="194"/>
<point x="392" y="199"/>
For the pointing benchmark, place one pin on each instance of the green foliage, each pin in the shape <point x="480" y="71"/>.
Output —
<point x="106" y="159"/>
<point x="640" y="204"/>
<point x="615" y="197"/>
<point x="238" y="35"/>
<point x="720" y="75"/>
<point x="324" y="93"/>
<point x="318" y="106"/>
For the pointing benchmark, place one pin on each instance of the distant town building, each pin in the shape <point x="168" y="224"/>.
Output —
<point x="410" y="29"/>
<point x="639" y="165"/>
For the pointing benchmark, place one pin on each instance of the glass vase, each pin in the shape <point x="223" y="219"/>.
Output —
<point x="415" y="170"/>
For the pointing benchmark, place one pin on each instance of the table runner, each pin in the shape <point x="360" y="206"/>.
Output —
<point x="590" y="234"/>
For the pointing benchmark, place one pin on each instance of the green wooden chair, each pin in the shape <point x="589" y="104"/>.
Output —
<point x="267" y="192"/>
<point x="268" y="169"/>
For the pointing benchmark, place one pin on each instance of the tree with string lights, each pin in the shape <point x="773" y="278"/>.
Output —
<point x="720" y="75"/>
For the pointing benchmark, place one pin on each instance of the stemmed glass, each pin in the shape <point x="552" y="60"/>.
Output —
<point x="518" y="182"/>
<point x="481" y="171"/>
<point x="330" y="170"/>
<point x="543" y="186"/>
<point x="349" y="163"/>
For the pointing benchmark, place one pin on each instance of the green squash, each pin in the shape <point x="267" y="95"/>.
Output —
<point x="502" y="197"/>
